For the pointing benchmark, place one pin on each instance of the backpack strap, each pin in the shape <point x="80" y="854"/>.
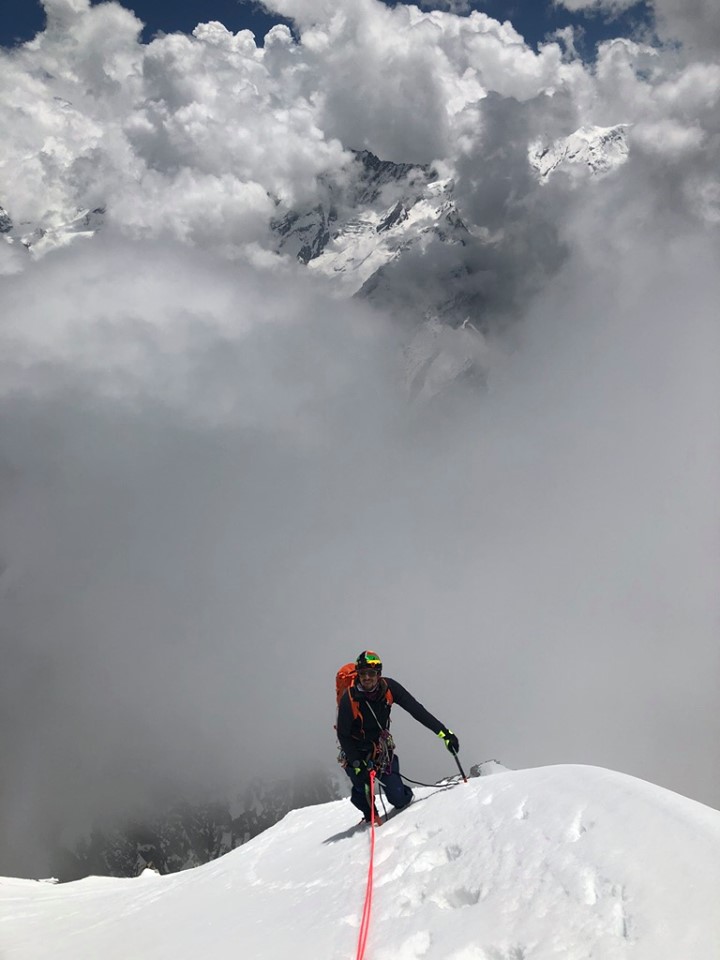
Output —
<point x="355" y="704"/>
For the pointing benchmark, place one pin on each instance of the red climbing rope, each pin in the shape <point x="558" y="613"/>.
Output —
<point x="365" y="922"/>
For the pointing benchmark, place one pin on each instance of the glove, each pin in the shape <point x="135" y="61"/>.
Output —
<point x="449" y="739"/>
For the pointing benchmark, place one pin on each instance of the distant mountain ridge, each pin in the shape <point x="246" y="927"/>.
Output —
<point x="379" y="214"/>
<point x="394" y="234"/>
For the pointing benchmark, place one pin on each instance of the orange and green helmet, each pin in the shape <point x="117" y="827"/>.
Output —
<point x="369" y="660"/>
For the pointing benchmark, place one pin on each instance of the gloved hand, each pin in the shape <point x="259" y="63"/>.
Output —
<point x="449" y="739"/>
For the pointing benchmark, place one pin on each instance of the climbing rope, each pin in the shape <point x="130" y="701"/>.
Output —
<point x="367" y="907"/>
<point x="451" y="781"/>
<point x="441" y="786"/>
<point x="365" y="922"/>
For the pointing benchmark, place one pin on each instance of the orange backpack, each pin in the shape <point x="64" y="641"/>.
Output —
<point x="344" y="679"/>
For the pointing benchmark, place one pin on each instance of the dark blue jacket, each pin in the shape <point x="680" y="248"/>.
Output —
<point x="358" y="735"/>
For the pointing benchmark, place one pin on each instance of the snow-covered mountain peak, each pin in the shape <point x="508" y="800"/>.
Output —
<point x="382" y="212"/>
<point x="56" y="231"/>
<point x="571" y="862"/>
<point x="376" y="174"/>
<point x="598" y="150"/>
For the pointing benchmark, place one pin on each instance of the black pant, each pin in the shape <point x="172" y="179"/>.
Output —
<point x="398" y="793"/>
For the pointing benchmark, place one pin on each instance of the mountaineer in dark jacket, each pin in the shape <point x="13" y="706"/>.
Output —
<point x="363" y="732"/>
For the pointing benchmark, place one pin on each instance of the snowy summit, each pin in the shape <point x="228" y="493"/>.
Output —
<point x="558" y="862"/>
<point x="594" y="150"/>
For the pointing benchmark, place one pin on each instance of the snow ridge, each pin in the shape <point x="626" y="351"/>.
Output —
<point x="571" y="862"/>
<point x="597" y="150"/>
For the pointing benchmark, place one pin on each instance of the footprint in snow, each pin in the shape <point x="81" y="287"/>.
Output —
<point x="577" y="828"/>
<point x="456" y="898"/>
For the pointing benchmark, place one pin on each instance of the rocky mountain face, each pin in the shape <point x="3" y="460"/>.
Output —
<point x="387" y="213"/>
<point x="395" y="237"/>
<point x="387" y="209"/>
<point x="6" y="223"/>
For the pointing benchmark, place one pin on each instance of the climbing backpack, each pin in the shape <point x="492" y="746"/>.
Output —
<point x="344" y="679"/>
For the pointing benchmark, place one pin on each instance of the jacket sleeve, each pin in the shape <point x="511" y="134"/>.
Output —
<point x="348" y="745"/>
<point x="416" y="710"/>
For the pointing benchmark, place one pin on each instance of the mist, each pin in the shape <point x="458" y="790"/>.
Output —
<point x="215" y="487"/>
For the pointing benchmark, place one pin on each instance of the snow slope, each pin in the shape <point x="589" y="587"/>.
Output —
<point x="559" y="862"/>
<point x="590" y="150"/>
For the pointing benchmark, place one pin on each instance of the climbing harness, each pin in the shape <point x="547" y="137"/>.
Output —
<point x="384" y="752"/>
<point x="384" y="749"/>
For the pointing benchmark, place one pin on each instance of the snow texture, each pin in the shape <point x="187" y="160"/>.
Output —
<point x="558" y="862"/>
<point x="594" y="150"/>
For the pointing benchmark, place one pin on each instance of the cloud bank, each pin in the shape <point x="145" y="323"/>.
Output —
<point x="213" y="488"/>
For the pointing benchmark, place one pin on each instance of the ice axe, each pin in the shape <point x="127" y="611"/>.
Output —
<point x="459" y="765"/>
<point x="447" y="737"/>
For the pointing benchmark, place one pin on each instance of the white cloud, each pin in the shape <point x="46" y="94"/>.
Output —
<point x="696" y="23"/>
<point x="94" y="114"/>
<point x="669" y="138"/>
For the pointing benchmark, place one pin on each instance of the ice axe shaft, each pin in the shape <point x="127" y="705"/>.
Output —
<point x="459" y="765"/>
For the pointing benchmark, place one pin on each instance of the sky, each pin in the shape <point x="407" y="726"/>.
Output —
<point x="213" y="488"/>
<point x="22" y="19"/>
<point x="567" y="861"/>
